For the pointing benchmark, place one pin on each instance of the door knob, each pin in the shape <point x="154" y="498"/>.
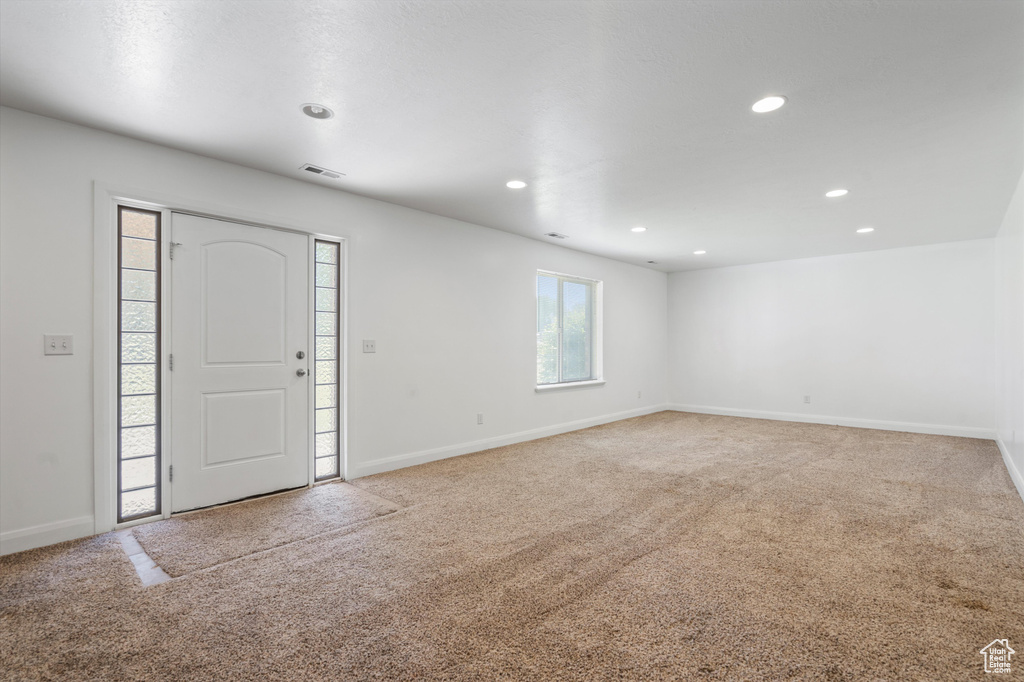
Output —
<point x="300" y="372"/>
<point x="300" y="355"/>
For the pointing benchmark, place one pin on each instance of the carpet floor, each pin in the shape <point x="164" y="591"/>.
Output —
<point x="671" y="546"/>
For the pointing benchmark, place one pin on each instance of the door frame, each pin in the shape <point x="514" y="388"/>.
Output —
<point x="104" y="337"/>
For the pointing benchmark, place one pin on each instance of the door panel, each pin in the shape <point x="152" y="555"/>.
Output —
<point x="240" y="313"/>
<point x="243" y="426"/>
<point x="243" y="294"/>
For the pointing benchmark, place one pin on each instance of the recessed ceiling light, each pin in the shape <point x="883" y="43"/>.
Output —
<point x="316" y="111"/>
<point x="699" y="253"/>
<point x="638" y="229"/>
<point x="865" y="230"/>
<point x="763" y="106"/>
<point x="832" y="194"/>
<point x="515" y="184"/>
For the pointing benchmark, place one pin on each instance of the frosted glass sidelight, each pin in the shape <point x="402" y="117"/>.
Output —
<point x="138" y="285"/>
<point x="135" y="224"/>
<point x="327" y="395"/>
<point x="326" y="420"/>
<point x="325" y="347"/>
<point x="136" y="379"/>
<point x="326" y="444"/>
<point x="139" y="410"/>
<point x="326" y="252"/>
<point x="326" y="299"/>
<point x="138" y="473"/>
<point x="138" y="442"/>
<point x="137" y="316"/>
<point x="138" y="347"/>
<point x="138" y="254"/>
<point x="327" y="466"/>
<point x="138" y="404"/>
<point x="326" y="275"/>
<point x="326" y="372"/>
<point x="326" y="324"/>
<point x="138" y="502"/>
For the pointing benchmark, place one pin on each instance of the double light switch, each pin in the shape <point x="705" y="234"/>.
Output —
<point x="58" y="344"/>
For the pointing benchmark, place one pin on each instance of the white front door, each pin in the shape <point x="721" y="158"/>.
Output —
<point x="239" y="390"/>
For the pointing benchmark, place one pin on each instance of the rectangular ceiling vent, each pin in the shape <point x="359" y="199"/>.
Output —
<point x="556" y="235"/>
<point x="322" y="172"/>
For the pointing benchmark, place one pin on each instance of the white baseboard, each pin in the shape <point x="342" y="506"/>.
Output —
<point x="1015" y="474"/>
<point x="46" y="534"/>
<point x="376" y="466"/>
<point x="909" y="427"/>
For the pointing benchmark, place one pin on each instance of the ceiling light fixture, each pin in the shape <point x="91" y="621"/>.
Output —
<point x="865" y="230"/>
<point x="763" y="106"/>
<point x="699" y="253"/>
<point x="515" y="184"/>
<point x="638" y="229"/>
<point x="832" y="194"/>
<point x="317" y="111"/>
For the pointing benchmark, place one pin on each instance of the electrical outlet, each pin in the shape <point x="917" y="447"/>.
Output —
<point x="479" y="417"/>
<point x="639" y="394"/>
<point x="807" y="399"/>
<point x="369" y="346"/>
<point x="58" y="344"/>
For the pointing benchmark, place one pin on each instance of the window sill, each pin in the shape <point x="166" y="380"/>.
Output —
<point x="569" y="384"/>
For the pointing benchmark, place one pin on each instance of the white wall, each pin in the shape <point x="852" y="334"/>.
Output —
<point x="1009" y="245"/>
<point x="451" y="306"/>
<point x="898" y="339"/>
<point x="893" y="339"/>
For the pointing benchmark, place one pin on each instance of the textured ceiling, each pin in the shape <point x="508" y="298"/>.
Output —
<point x="617" y="114"/>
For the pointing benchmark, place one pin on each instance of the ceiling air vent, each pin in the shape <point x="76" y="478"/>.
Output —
<point x="555" y="235"/>
<point x="322" y="172"/>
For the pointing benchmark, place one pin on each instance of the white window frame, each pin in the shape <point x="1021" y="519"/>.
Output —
<point x="597" y="331"/>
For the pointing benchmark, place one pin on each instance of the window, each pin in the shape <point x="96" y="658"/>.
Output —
<point x="327" y="395"/>
<point x="568" y="329"/>
<point x="138" y="350"/>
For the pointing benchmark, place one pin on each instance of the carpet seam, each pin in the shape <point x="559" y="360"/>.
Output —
<point x="346" y="528"/>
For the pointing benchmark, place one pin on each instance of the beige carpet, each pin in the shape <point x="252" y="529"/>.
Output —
<point x="673" y="546"/>
<point x="189" y="542"/>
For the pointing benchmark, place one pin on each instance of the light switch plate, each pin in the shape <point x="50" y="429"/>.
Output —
<point x="58" y="344"/>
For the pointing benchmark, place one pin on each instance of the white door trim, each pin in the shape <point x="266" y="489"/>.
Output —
<point x="106" y="199"/>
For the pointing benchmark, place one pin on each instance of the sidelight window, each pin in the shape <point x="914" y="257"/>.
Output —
<point x="327" y="395"/>
<point x="138" y="350"/>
